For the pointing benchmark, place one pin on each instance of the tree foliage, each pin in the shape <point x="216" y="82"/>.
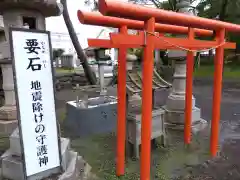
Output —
<point x="224" y="10"/>
<point x="166" y="5"/>
<point x="91" y="3"/>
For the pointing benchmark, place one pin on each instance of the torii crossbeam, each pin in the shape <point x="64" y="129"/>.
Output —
<point x="147" y="21"/>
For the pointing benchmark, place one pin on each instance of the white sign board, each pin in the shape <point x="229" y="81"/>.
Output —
<point x="31" y="52"/>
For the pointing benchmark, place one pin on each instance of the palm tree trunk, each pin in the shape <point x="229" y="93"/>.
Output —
<point x="91" y="77"/>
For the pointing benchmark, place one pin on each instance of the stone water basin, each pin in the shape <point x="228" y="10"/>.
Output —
<point x="91" y="116"/>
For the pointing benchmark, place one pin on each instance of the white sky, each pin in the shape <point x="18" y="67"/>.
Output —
<point x="56" y="24"/>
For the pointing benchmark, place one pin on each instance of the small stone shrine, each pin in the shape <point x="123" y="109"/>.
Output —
<point x="134" y="87"/>
<point x="30" y="15"/>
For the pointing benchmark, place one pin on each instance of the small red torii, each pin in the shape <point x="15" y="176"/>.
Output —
<point x="148" y="20"/>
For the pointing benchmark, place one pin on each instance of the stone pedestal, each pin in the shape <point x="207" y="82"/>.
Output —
<point x="8" y="84"/>
<point x="8" y="112"/>
<point x="73" y="166"/>
<point x="175" y="106"/>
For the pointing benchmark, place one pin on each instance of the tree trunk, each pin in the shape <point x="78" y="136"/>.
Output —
<point x="91" y="77"/>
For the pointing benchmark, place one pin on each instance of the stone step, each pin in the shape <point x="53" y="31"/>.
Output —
<point x="15" y="147"/>
<point x="74" y="165"/>
<point x="8" y="126"/>
<point x="12" y="168"/>
<point x="178" y="117"/>
<point x="176" y="102"/>
<point x="198" y="126"/>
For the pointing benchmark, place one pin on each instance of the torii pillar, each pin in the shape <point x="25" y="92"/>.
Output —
<point x="175" y="106"/>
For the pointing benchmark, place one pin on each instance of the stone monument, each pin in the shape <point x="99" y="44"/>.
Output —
<point x="18" y="14"/>
<point x="30" y="15"/>
<point x="175" y="105"/>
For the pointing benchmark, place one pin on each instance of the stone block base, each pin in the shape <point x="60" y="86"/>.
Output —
<point x="7" y="127"/>
<point x="197" y="126"/>
<point x="178" y="117"/>
<point x="73" y="166"/>
<point x="12" y="168"/>
<point x="177" y="102"/>
<point x="8" y="113"/>
<point x="15" y="147"/>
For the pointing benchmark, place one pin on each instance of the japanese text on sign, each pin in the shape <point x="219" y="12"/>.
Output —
<point x="35" y="95"/>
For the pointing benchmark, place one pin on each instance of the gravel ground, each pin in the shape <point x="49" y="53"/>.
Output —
<point x="227" y="165"/>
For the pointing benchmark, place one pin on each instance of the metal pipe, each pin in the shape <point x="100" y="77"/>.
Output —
<point x="97" y="19"/>
<point x="138" y="12"/>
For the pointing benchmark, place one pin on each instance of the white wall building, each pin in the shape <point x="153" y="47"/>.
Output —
<point x="63" y="41"/>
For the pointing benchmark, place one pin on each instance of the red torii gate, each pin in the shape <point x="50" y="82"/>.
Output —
<point x="150" y="42"/>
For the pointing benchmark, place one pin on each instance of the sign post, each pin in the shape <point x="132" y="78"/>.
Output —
<point x="33" y="77"/>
